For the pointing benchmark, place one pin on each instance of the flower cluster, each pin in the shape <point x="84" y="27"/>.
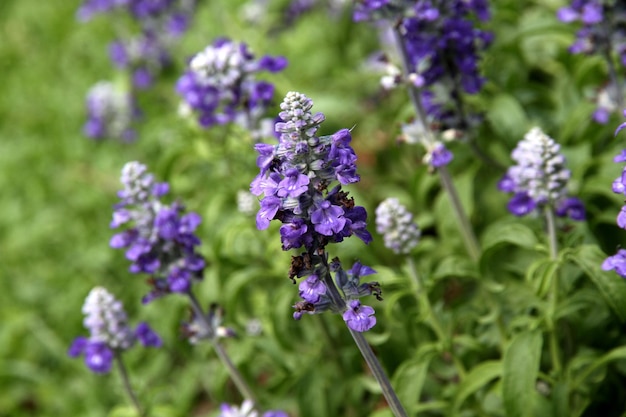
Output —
<point x="160" y="23"/>
<point x="603" y="32"/>
<point x="438" y="44"/>
<point x="295" y="179"/>
<point x="159" y="238"/>
<point x="220" y="85"/>
<point x="110" y="333"/>
<point x="247" y="410"/>
<point x="539" y="178"/>
<point x="395" y="223"/>
<point x="617" y="262"/>
<point x="110" y="113"/>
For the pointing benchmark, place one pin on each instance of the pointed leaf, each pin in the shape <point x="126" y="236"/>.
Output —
<point x="477" y="378"/>
<point x="612" y="287"/>
<point x="521" y="365"/>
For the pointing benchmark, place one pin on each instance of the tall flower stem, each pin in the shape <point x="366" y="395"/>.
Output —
<point x="223" y="356"/>
<point x="127" y="387"/>
<point x="469" y="238"/>
<point x="367" y="353"/>
<point x="422" y="297"/>
<point x="555" y="353"/>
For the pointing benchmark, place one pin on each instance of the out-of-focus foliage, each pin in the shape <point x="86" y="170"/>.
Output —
<point x="58" y="189"/>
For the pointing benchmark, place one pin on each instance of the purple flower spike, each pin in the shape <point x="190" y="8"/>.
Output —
<point x="159" y="239"/>
<point x="358" y="317"/>
<point x="109" y="332"/>
<point x="296" y="184"/>
<point x="539" y="178"/>
<point x="220" y="86"/>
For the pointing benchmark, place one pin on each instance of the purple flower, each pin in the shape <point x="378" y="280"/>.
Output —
<point x="98" y="357"/>
<point x="617" y="263"/>
<point x="220" y="85"/>
<point x="147" y="336"/>
<point x="571" y="207"/>
<point x="328" y="219"/>
<point x="159" y="239"/>
<point x="295" y="181"/>
<point x="358" y="317"/>
<point x="539" y="178"/>
<point x="109" y="332"/>
<point x="311" y="289"/>
<point x="110" y="113"/>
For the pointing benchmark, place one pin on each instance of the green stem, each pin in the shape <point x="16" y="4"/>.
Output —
<point x="127" y="387"/>
<point x="471" y="243"/>
<point x="422" y="296"/>
<point x="366" y="351"/>
<point x="555" y="353"/>
<point x="233" y="372"/>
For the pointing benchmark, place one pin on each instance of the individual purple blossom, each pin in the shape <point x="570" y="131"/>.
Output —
<point x="358" y="317"/>
<point x="220" y="85"/>
<point x="109" y="332"/>
<point x="400" y="233"/>
<point x="539" y="178"/>
<point x="159" y="239"/>
<point x="111" y="113"/>
<point x="616" y="263"/>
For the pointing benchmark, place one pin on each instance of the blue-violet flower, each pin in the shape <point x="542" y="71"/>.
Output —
<point x="220" y="85"/>
<point x="159" y="239"/>
<point x="539" y="178"/>
<point x="295" y="179"/>
<point x="110" y="333"/>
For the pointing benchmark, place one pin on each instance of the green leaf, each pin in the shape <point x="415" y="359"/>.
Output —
<point x="615" y="354"/>
<point x="478" y="377"/>
<point x="521" y="364"/>
<point x="507" y="116"/>
<point x="613" y="288"/>
<point x="409" y="379"/>
<point x="511" y="233"/>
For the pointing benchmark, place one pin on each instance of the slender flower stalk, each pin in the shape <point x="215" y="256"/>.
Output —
<point x="295" y="179"/>
<point x="160" y="240"/>
<point x="127" y="386"/>
<point x="433" y="146"/>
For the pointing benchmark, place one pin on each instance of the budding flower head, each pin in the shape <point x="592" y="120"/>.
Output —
<point x="109" y="330"/>
<point x="395" y="223"/>
<point x="160" y="239"/>
<point x="111" y="112"/>
<point x="539" y="177"/>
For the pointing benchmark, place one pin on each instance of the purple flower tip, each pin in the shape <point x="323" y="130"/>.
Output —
<point x="147" y="336"/>
<point x="358" y="317"/>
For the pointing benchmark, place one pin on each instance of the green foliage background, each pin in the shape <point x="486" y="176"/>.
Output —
<point x="58" y="188"/>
